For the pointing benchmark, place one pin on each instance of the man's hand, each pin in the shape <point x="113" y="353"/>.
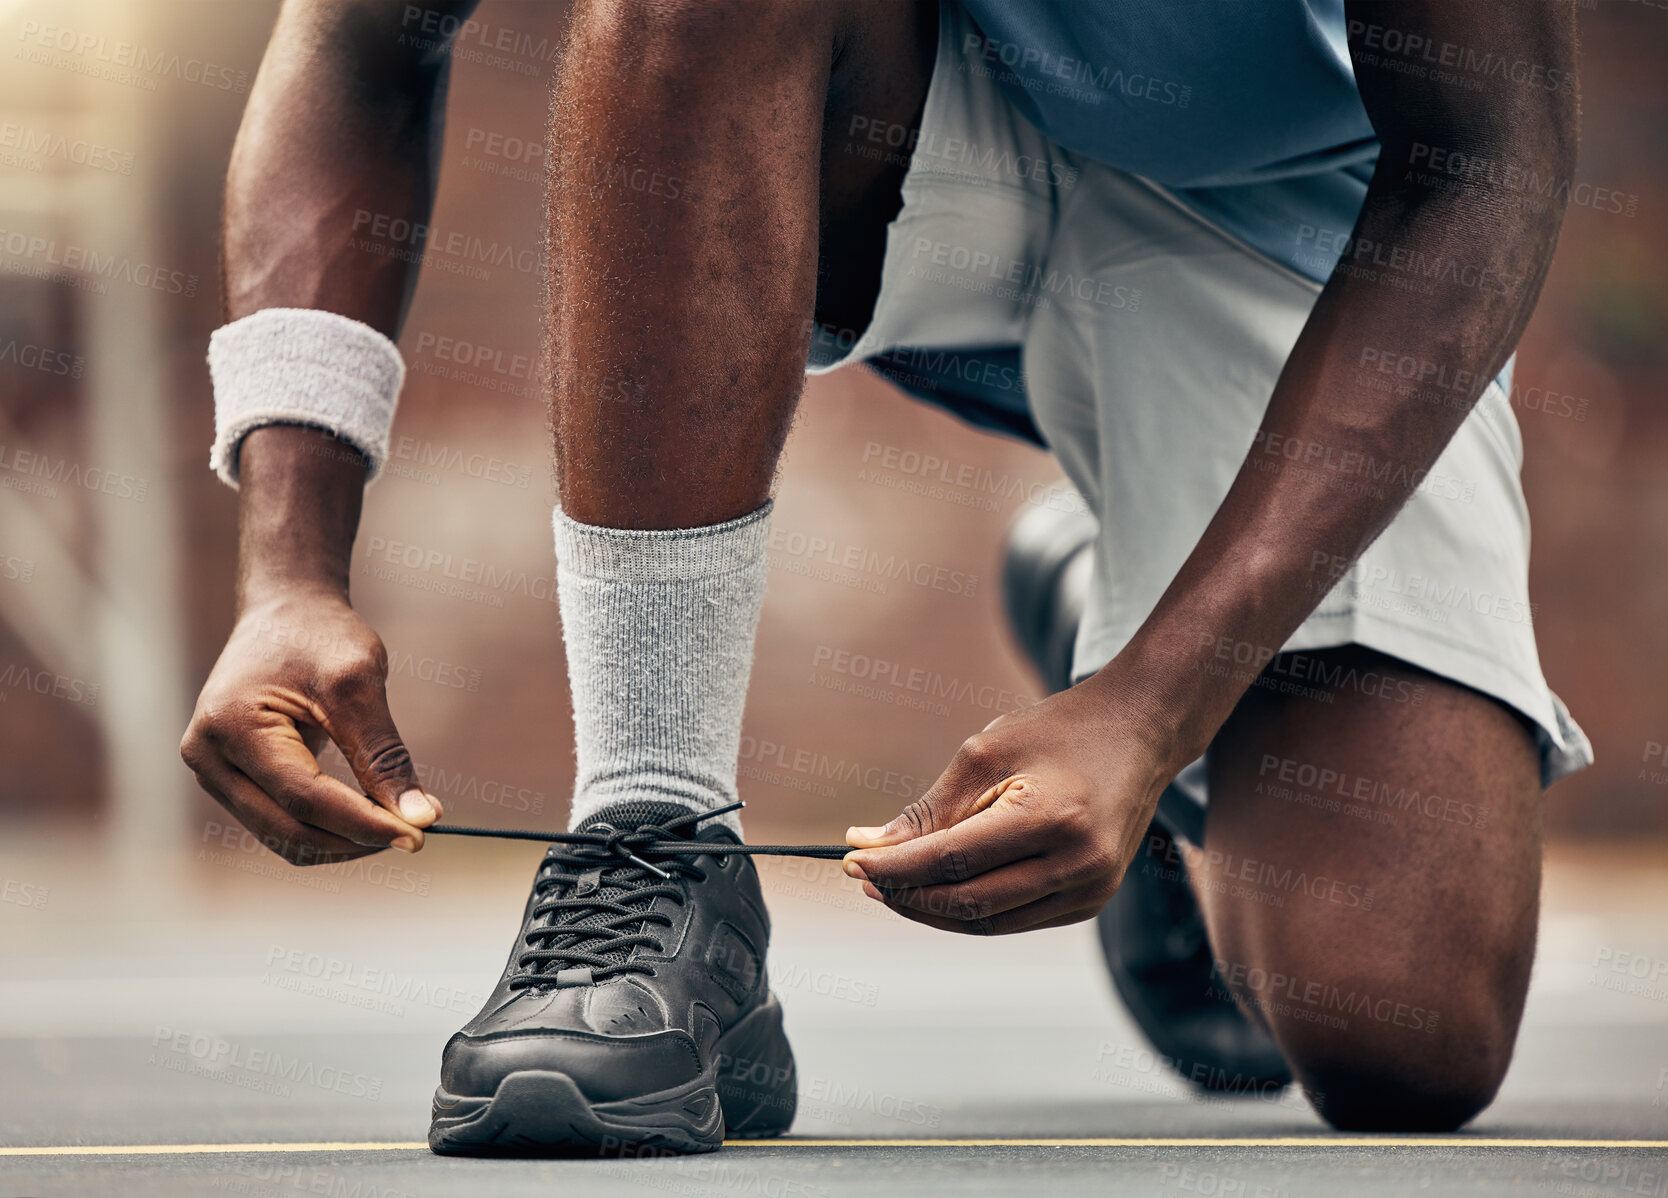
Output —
<point x="301" y="668"/>
<point x="297" y="671"/>
<point x="1032" y="824"/>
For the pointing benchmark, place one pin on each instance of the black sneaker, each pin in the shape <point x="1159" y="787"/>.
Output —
<point x="1152" y="931"/>
<point x="1045" y="583"/>
<point x="634" y="1016"/>
<point x="1158" y="953"/>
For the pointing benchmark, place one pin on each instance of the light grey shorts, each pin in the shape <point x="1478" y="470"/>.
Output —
<point x="1149" y="344"/>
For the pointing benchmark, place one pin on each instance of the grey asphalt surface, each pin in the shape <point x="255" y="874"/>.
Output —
<point x="263" y="1012"/>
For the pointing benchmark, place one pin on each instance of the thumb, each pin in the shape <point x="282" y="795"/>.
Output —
<point x="973" y="781"/>
<point x="365" y="733"/>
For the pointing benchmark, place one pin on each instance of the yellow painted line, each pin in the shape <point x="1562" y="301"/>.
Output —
<point x="208" y="1149"/>
<point x="1056" y="1142"/>
<point x="1210" y="1142"/>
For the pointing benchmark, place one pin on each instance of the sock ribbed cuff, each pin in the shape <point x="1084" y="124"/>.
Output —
<point x="661" y="555"/>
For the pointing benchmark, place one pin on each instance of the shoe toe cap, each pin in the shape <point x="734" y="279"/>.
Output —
<point x="605" y="1068"/>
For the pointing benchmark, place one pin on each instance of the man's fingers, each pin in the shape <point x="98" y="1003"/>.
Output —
<point x="1003" y="889"/>
<point x="973" y="781"/>
<point x="363" y="728"/>
<point x="1003" y="827"/>
<point x="275" y="759"/>
<point x="271" y="825"/>
<point x="1056" y="910"/>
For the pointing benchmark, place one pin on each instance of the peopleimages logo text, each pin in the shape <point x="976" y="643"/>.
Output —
<point x="100" y="48"/>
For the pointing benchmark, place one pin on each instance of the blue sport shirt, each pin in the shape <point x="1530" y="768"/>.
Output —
<point x="1245" y="110"/>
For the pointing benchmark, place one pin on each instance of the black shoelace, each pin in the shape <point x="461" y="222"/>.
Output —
<point x="601" y="890"/>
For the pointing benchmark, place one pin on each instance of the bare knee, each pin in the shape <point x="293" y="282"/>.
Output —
<point x="1409" y="1037"/>
<point x="1403" y="1066"/>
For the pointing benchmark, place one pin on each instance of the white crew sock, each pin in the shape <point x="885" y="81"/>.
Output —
<point x="659" y="629"/>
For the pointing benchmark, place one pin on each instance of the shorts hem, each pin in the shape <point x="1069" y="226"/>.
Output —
<point x="1562" y="746"/>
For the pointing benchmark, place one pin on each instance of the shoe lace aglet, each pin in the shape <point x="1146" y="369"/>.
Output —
<point x="648" y="865"/>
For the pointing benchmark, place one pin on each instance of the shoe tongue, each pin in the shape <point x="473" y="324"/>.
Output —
<point x="636" y="813"/>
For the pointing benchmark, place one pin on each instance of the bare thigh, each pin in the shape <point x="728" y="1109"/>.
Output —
<point x="878" y="88"/>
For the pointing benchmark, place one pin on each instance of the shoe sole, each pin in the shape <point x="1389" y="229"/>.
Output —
<point x="750" y="1090"/>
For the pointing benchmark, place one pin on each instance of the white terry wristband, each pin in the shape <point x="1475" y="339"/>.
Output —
<point x="303" y="366"/>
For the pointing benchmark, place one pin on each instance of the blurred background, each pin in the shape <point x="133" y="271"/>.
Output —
<point x="117" y="545"/>
<point x="117" y="566"/>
